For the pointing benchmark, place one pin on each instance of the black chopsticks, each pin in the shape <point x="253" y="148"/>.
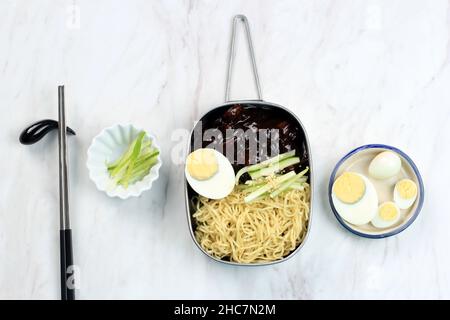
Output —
<point x="66" y="256"/>
<point x="31" y="135"/>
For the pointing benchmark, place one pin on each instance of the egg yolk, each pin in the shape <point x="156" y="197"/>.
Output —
<point x="349" y="187"/>
<point x="407" y="189"/>
<point x="202" y="164"/>
<point x="388" y="211"/>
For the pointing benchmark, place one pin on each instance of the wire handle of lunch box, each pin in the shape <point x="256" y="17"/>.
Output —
<point x="244" y="20"/>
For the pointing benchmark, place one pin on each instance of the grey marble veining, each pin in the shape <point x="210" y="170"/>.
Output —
<point x="355" y="72"/>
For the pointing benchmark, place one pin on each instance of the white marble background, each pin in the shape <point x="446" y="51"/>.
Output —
<point x="355" y="72"/>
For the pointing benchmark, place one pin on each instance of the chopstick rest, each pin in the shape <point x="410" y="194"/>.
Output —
<point x="36" y="131"/>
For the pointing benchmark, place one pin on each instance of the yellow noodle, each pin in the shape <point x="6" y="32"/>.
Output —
<point x="264" y="230"/>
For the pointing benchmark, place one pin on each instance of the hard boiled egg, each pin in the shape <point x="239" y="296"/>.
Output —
<point x="354" y="198"/>
<point x="388" y="214"/>
<point x="385" y="165"/>
<point x="209" y="173"/>
<point x="405" y="193"/>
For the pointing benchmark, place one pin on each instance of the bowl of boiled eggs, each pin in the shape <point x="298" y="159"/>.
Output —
<point x="376" y="191"/>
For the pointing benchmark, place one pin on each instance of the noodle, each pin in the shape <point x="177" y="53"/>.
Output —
<point x="264" y="230"/>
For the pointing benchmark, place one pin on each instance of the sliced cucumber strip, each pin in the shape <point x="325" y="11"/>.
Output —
<point x="266" y="188"/>
<point x="277" y="167"/>
<point x="264" y="164"/>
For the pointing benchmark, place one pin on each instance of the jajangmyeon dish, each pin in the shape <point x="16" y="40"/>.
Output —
<point x="252" y="213"/>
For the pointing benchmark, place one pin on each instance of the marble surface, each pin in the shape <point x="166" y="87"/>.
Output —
<point x="355" y="72"/>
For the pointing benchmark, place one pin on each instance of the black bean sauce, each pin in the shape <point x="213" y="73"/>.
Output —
<point x="246" y="121"/>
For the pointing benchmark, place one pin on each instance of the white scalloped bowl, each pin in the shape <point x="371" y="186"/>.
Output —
<point x="107" y="146"/>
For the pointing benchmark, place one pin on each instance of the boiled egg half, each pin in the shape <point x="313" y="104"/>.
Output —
<point x="209" y="173"/>
<point x="354" y="198"/>
<point x="405" y="193"/>
<point x="388" y="214"/>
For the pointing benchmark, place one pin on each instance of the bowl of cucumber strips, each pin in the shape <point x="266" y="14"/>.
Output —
<point x="123" y="161"/>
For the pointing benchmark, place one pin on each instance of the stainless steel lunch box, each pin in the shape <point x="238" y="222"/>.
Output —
<point x="189" y="193"/>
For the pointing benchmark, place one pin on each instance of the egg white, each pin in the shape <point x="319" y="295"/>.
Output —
<point x="385" y="165"/>
<point x="380" y="223"/>
<point x="219" y="185"/>
<point x="361" y="212"/>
